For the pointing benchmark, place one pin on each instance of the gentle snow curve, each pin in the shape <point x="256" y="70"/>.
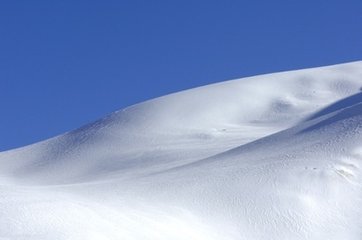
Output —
<point x="275" y="156"/>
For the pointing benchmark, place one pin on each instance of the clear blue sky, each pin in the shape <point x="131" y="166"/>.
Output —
<point x="66" y="63"/>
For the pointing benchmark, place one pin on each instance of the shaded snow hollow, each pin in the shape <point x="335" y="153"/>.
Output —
<point x="275" y="156"/>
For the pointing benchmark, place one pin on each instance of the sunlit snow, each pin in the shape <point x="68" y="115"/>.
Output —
<point x="275" y="156"/>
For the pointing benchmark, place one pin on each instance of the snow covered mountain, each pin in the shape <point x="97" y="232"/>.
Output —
<point x="275" y="156"/>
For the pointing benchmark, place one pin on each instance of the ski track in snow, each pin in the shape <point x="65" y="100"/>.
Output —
<point x="274" y="156"/>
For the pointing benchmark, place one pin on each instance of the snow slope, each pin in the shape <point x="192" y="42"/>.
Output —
<point x="275" y="156"/>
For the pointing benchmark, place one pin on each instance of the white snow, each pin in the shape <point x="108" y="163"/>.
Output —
<point x="275" y="156"/>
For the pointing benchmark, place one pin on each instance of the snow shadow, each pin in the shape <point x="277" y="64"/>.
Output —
<point x="345" y="108"/>
<point x="341" y="104"/>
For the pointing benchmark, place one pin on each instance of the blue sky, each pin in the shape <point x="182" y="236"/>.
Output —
<point x="66" y="63"/>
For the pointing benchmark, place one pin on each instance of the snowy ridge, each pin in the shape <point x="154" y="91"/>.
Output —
<point x="275" y="156"/>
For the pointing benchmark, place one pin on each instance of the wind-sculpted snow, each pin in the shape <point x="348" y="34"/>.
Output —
<point x="275" y="156"/>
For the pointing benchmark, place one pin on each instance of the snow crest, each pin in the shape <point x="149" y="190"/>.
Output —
<point x="274" y="156"/>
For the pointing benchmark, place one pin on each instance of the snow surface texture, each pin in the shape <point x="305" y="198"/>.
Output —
<point x="276" y="156"/>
